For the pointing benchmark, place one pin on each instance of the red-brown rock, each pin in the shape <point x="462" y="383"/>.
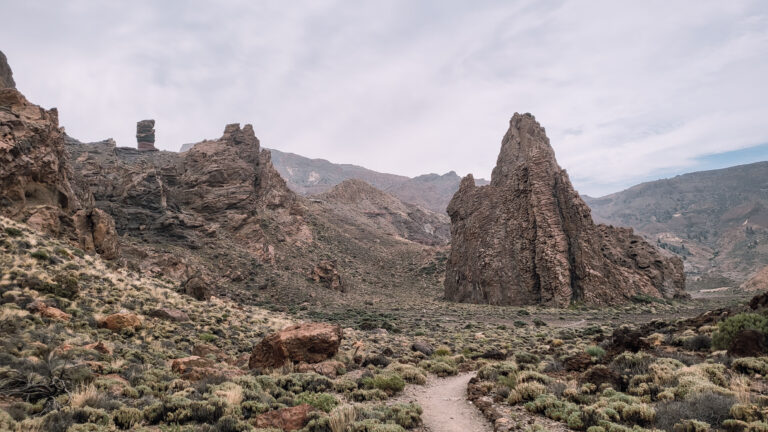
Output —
<point x="287" y="419"/>
<point x="577" y="362"/>
<point x="49" y="311"/>
<point x="96" y="232"/>
<point x="529" y="238"/>
<point x="120" y="321"/>
<point x="170" y="314"/>
<point x="310" y="343"/>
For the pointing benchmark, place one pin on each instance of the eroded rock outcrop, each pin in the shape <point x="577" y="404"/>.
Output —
<point x="145" y="135"/>
<point x="325" y="272"/>
<point x="529" y="238"/>
<point x="36" y="178"/>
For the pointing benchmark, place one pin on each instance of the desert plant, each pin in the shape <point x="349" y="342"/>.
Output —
<point x="727" y="329"/>
<point x="341" y="417"/>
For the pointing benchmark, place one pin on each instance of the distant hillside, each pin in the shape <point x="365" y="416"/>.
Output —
<point x="313" y="176"/>
<point x="716" y="220"/>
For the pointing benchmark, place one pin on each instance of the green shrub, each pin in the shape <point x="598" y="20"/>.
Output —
<point x="390" y="383"/>
<point x="126" y="417"/>
<point x="368" y="395"/>
<point x="41" y="254"/>
<point x="751" y="365"/>
<point x="595" y="351"/>
<point x="727" y="329"/>
<point x="526" y="358"/>
<point x="321" y="401"/>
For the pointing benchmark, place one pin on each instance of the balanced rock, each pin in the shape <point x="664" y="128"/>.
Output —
<point x="528" y="237"/>
<point x="309" y="343"/>
<point x="145" y="135"/>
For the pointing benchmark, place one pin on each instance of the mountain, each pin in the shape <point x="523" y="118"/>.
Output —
<point x="307" y="176"/>
<point x="717" y="220"/>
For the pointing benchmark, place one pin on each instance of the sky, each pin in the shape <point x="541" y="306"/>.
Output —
<point x="627" y="91"/>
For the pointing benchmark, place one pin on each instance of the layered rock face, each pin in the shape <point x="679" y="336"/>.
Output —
<point x="145" y="135"/>
<point x="36" y="178"/>
<point x="528" y="237"/>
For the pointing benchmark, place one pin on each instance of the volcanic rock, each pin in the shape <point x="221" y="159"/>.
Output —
<point x="145" y="135"/>
<point x="286" y="419"/>
<point x="6" y="75"/>
<point x="325" y="272"/>
<point x="329" y="368"/>
<point x="96" y="232"/>
<point x="36" y="177"/>
<point x="48" y="311"/>
<point x="310" y="343"/>
<point x="528" y="237"/>
<point x="120" y="321"/>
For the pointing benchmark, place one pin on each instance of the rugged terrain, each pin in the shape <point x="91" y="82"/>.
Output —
<point x="195" y="291"/>
<point x="715" y="220"/>
<point x="313" y="176"/>
<point x="528" y="238"/>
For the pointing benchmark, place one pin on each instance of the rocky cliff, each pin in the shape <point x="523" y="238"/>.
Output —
<point x="528" y="238"/>
<point x="36" y="179"/>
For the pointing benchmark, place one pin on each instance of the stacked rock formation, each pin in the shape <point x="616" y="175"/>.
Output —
<point x="528" y="237"/>
<point x="145" y="135"/>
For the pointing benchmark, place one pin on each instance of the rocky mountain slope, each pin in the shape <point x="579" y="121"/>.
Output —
<point x="313" y="176"/>
<point x="528" y="238"/>
<point x="360" y="204"/>
<point x="717" y="221"/>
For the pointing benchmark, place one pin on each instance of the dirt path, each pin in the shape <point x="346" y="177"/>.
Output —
<point x="445" y="405"/>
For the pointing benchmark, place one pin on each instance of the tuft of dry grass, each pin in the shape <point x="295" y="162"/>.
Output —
<point x="341" y="417"/>
<point x="83" y="396"/>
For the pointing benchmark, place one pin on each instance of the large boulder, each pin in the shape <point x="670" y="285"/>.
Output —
<point x="747" y="343"/>
<point x="287" y="419"/>
<point x="121" y="321"/>
<point x="528" y="237"/>
<point x="96" y="232"/>
<point x="309" y="343"/>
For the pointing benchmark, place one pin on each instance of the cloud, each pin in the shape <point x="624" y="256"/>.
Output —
<point x="625" y="89"/>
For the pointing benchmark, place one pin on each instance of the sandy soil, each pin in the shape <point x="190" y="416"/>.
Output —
<point x="445" y="405"/>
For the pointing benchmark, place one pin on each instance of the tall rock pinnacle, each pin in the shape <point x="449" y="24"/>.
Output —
<point x="529" y="238"/>
<point x="145" y="135"/>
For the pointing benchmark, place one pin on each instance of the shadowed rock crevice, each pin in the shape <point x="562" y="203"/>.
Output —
<point x="529" y="238"/>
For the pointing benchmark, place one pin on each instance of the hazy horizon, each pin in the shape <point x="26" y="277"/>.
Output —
<point x="627" y="92"/>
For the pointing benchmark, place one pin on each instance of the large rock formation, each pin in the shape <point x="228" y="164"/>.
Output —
<point x="528" y="237"/>
<point x="145" y="135"/>
<point x="6" y="75"/>
<point x="36" y="178"/>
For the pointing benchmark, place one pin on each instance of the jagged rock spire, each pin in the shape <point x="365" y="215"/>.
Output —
<point x="529" y="238"/>
<point x="6" y="75"/>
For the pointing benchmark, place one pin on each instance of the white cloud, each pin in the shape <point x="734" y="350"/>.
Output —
<point x="625" y="89"/>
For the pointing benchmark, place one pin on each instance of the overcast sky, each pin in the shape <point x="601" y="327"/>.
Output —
<point x="627" y="90"/>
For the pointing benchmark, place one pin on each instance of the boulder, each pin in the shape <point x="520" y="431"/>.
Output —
<point x="287" y="419"/>
<point x="197" y="287"/>
<point x="577" y="362"/>
<point x="48" y="311"/>
<point x="747" y="343"/>
<point x="627" y="339"/>
<point x="121" y="321"/>
<point x="310" y="343"/>
<point x="423" y="348"/>
<point x="601" y="374"/>
<point x="170" y="314"/>
<point x="529" y="238"/>
<point x="100" y="347"/>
